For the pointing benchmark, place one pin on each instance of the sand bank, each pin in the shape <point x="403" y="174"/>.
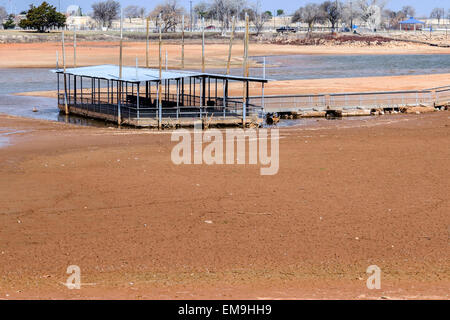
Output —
<point x="21" y="55"/>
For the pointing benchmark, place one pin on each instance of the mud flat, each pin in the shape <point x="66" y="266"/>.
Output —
<point x="348" y="194"/>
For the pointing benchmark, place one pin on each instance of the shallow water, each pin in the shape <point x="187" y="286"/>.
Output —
<point x="281" y="68"/>
<point x="293" y="67"/>
<point x="288" y="67"/>
<point x="16" y="80"/>
<point x="47" y="110"/>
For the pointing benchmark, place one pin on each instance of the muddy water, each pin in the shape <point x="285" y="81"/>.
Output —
<point x="16" y="80"/>
<point x="281" y="68"/>
<point x="47" y="109"/>
<point x="294" y="67"/>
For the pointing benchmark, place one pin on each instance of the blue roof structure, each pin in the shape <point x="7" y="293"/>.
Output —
<point x="133" y="74"/>
<point x="411" y="20"/>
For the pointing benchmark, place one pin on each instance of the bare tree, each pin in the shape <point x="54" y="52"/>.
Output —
<point x="222" y="10"/>
<point x="3" y="14"/>
<point x="370" y="12"/>
<point x="308" y="14"/>
<point x="105" y="12"/>
<point x="408" y="11"/>
<point x="142" y="11"/>
<point x="259" y="18"/>
<point x="202" y="9"/>
<point x="332" y="11"/>
<point x="218" y="9"/>
<point x="437" y="13"/>
<point x="393" y="18"/>
<point x="131" y="12"/>
<point x="170" y="13"/>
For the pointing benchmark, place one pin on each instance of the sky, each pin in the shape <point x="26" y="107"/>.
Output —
<point x="423" y="7"/>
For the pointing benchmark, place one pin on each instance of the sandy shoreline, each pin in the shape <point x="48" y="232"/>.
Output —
<point x="27" y="55"/>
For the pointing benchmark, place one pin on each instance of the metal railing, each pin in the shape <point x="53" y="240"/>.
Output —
<point x="357" y="100"/>
<point x="189" y="106"/>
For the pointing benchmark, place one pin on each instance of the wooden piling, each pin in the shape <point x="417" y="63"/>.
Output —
<point x="119" y="115"/>
<point x="147" y="44"/>
<point x="182" y="42"/>
<point x="245" y="87"/>
<point x="231" y="44"/>
<point x="74" y="47"/>
<point x="66" y="106"/>
<point x="160" y="76"/>
<point x="203" y="44"/>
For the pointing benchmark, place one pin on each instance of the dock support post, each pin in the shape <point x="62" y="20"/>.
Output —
<point x="147" y="44"/>
<point x="74" y="90"/>
<point x="231" y="45"/>
<point x="182" y="42"/>
<point x="244" y="104"/>
<point x="137" y="101"/>
<point x="201" y="96"/>
<point x="75" y="47"/>
<point x="203" y="45"/>
<point x="178" y="99"/>
<point x="262" y="88"/>
<point x="224" y="97"/>
<point x="159" y="83"/>
<point x="65" y="76"/>
<point x="159" y="106"/>
<point x="57" y="79"/>
<point x="119" y="98"/>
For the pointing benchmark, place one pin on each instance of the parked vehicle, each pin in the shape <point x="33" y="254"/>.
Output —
<point x="286" y="29"/>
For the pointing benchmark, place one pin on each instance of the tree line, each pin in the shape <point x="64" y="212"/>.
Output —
<point x="371" y="13"/>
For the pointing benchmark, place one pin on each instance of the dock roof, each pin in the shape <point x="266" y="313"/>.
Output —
<point x="133" y="74"/>
<point x="411" y="20"/>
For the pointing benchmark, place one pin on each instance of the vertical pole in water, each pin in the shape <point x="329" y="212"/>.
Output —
<point x="137" y="91"/>
<point x="244" y="104"/>
<point x="182" y="42"/>
<point x="119" y="87"/>
<point x="166" y="60"/>
<point x="147" y="44"/>
<point x="264" y="77"/>
<point x="231" y="44"/>
<point x="137" y="101"/>
<point x="136" y="68"/>
<point x="203" y="44"/>
<point x="75" y="47"/>
<point x="178" y="99"/>
<point x="65" y="77"/>
<point x="160" y="77"/>
<point x="224" y="98"/>
<point x="200" y="95"/>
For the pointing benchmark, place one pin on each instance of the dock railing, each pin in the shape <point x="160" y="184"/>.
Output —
<point x="356" y="100"/>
